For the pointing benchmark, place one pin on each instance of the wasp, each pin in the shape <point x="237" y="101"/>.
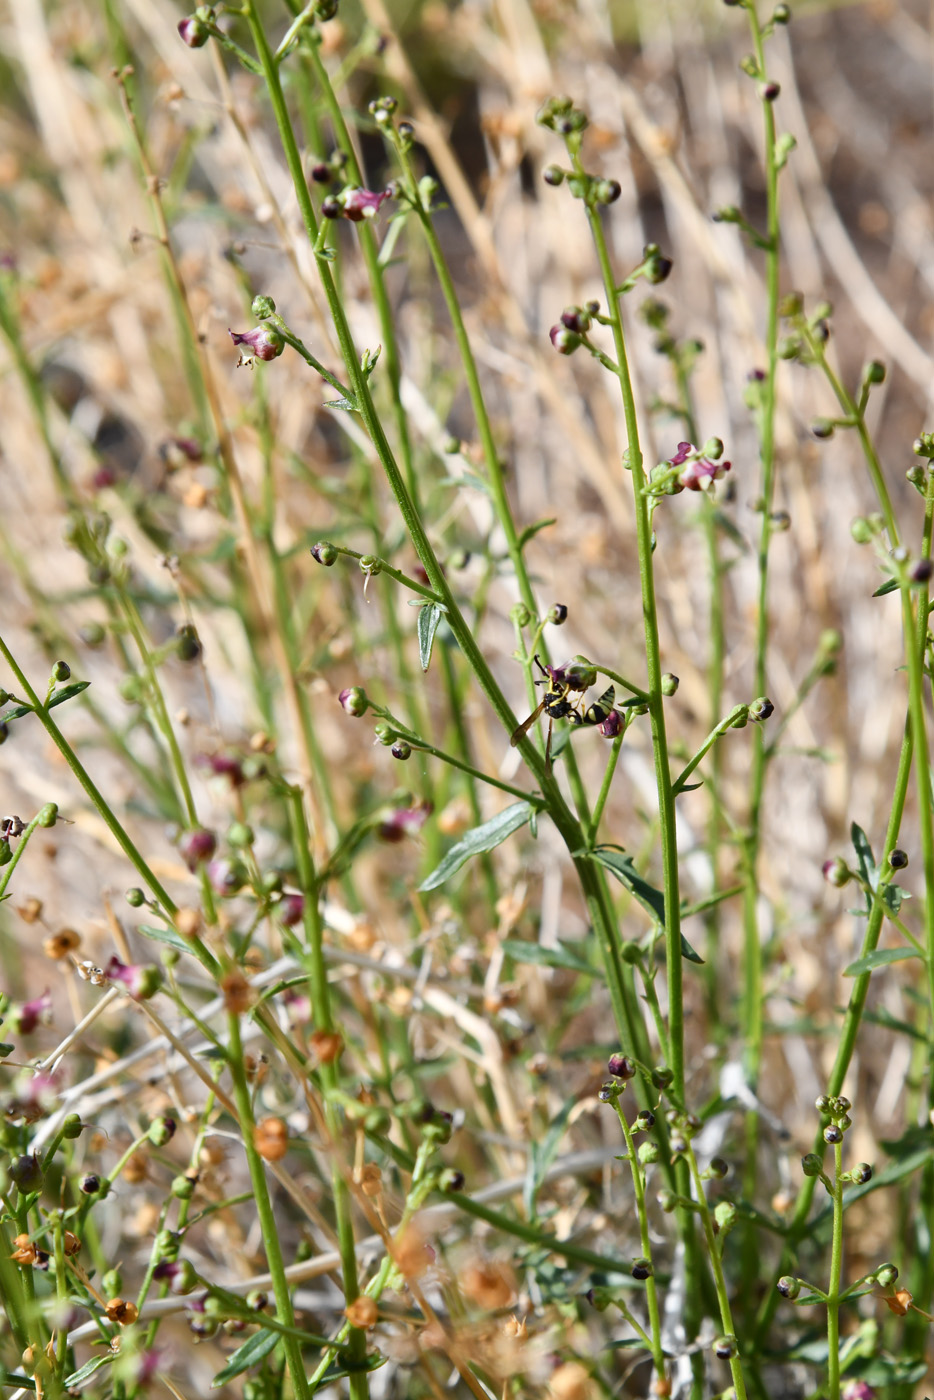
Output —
<point x="557" y="704"/>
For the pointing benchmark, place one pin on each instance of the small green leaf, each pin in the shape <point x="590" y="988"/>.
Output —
<point x="482" y="838"/>
<point x="531" y="531"/>
<point x="428" y="619"/>
<point x="890" y="585"/>
<point x="87" y="1370"/>
<point x="562" y="955"/>
<point x="67" y="692"/>
<point x="252" y="1352"/>
<point x="166" y="935"/>
<point x="622" y="867"/>
<point x="348" y="404"/>
<point x="864" y="856"/>
<point x="880" y="957"/>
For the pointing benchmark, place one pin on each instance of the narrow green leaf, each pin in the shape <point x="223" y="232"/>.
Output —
<point x="429" y="617"/>
<point x="880" y="957"/>
<point x="87" y="1370"/>
<point x="166" y="935"/>
<point x="348" y="404"/>
<point x="482" y="838"/>
<point x="531" y="531"/>
<point x="864" y="856"/>
<point x="67" y="692"/>
<point x="562" y="955"/>
<point x="249" y="1354"/>
<point x="620" y="865"/>
<point x="889" y="586"/>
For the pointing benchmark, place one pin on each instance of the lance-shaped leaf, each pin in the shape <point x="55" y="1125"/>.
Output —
<point x="481" y="838"/>
<point x="428" y="619"/>
<point x="249" y="1354"/>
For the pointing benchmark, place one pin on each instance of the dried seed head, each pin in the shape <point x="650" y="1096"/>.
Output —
<point x="120" y="1311"/>
<point x="370" y="1179"/>
<point x="489" y="1283"/>
<point x="71" y="1243"/>
<point x="188" y="922"/>
<point x="238" y="994"/>
<point x="362" y="1312"/>
<point x="60" y="944"/>
<point x="25" y="1251"/>
<point x="412" y="1253"/>
<point x="571" y="1381"/>
<point x="31" y="911"/>
<point x="327" y="1045"/>
<point x="271" y="1139"/>
<point x="900" y="1302"/>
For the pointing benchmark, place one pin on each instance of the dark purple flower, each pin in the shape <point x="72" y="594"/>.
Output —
<point x="699" y="471"/>
<point x="612" y="725"/>
<point x="403" y="820"/>
<point x="178" y="1273"/>
<point x="197" y="846"/>
<point x="27" y="1018"/>
<point x="223" y="765"/>
<point x="358" y="204"/>
<point x="291" y="909"/>
<point x="142" y="980"/>
<point x="264" y="343"/>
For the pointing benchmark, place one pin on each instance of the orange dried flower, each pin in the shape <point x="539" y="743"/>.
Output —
<point x="370" y="1179"/>
<point x="411" y="1252"/>
<point x="238" y="994"/>
<point x="120" y="1311"/>
<point x="60" y="944"/>
<point x="188" y="922"/>
<point x="72" y="1243"/>
<point x="900" y="1301"/>
<point x="136" y="1169"/>
<point x="488" y="1283"/>
<point x="271" y="1139"/>
<point x="31" y="910"/>
<point x="25" y="1251"/>
<point x="571" y="1382"/>
<point x="327" y="1045"/>
<point x="362" y="1312"/>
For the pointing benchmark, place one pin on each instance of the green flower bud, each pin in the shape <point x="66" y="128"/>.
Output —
<point x="811" y="1164"/>
<point x="789" y="1287"/>
<point x="61" y="671"/>
<point x="112" y="1283"/>
<point x="670" y="683"/>
<point x="161" y="1130"/>
<point x="72" y="1127"/>
<point x="240" y="835"/>
<point x="48" y="815"/>
<point x="182" y="1188"/>
<point x="263" y="307"/>
<point x="135" y="897"/>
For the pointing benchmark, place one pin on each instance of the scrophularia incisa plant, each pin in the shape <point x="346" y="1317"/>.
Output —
<point x="413" y="984"/>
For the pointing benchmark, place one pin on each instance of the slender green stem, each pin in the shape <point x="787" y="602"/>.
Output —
<point x="715" y="1252"/>
<point x="264" y="1209"/>
<point x="836" y="1276"/>
<point x="319" y="993"/>
<point x="90" y="788"/>
<point x="651" y="1288"/>
<point x="604" y="792"/>
<point x="599" y="910"/>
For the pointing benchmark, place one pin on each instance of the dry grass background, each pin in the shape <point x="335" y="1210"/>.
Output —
<point x="678" y="125"/>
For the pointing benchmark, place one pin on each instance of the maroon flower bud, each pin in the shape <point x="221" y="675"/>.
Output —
<point x="324" y="553"/>
<point x="226" y="877"/>
<point x="621" y="1065"/>
<point x="193" y="32"/>
<point x="558" y="614"/>
<point x="575" y="318"/>
<point x="291" y="909"/>
<point x="26" y="1019"/>
<point x="612" y="726"/>
<point x="354" y="701"/>
<point x="401" y="750"/>
<point x="331" y="207"/>
<point x="565" y="341"/>
<point x="403" y="820"/>
<point x="142" y="980"/>
<point x="223" y="766"/>
<point x="769" y="91"/>
<point x="197" y="846"/>
<point x="322" y="174"/>
<point x="921" y="571"/>
<point x="264" y="343"/>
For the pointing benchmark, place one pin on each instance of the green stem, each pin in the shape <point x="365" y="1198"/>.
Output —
<point x="651" y="1289"/>
<point x="267" y="1219"/>
<point x="715" y="1253"/>
<point x="836" y="1275"/>
<point x="81" y="774"/>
